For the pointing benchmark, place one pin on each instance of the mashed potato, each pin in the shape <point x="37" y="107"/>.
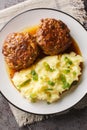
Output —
<point x="48" y="78"/>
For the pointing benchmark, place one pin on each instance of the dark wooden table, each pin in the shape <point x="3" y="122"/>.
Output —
<point x="74" y="120"/>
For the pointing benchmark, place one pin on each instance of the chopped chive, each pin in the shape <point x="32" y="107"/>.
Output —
<point x="74" y="73"/>
<point x="33" y="72"/>
<point x="51" y="83"/>
<point x="47" y="67"/>
<point x="65" y="58"/>
<point x="48" y="89"/>
<point x="66" y="85"/>
<point x="33" y="97"/>
<point x="68" y="61"/>
<point x="24" y="83"/>
<point x="34" y="75"/>
<point x="63" y="78"/>
<point x="67" y="71"/>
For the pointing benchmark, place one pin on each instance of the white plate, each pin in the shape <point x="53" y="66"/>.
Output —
<point x="29" y="18"/>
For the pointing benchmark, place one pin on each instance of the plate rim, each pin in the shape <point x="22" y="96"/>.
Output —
<point x="42" y="9"/>
<point x="13" y="19"/>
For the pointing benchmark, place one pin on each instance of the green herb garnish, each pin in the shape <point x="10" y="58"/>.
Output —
<point x="48" y="89"/>
<point x="63" y="78"/>
<point x="33" y="72"/>
<point x="74" y="73"/>
<point x="68" y="61"/>
<point x="33" y="97"/>
<point x="51" y="83"/>
<point x="34" y="75"/>
<point x="24" y="83"/>
<point x="47" y="67"/>
<point x="66" y="71"/>
<point x="66" y="85"/>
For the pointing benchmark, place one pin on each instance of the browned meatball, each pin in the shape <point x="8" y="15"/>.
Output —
<point x="20" y="50"/>
<point x="53" y="36"/>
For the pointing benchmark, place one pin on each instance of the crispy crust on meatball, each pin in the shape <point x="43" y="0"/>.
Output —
<point x="53" y="36"/>
<point x="20" y="50"/>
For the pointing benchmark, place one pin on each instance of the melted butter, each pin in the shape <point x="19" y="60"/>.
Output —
<point x="32" y="30"/>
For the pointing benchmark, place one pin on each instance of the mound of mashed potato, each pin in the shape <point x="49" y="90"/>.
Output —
<point x="49" y="77"/>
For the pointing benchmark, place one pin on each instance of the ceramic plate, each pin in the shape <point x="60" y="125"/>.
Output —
<point x="29" y="18"/>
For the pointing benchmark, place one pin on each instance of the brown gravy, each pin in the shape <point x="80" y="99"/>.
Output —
<point x="32" y="30"/>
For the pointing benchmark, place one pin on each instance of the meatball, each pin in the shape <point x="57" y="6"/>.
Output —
<point x="20" y="50"/>
<point x="53" y="36"/>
